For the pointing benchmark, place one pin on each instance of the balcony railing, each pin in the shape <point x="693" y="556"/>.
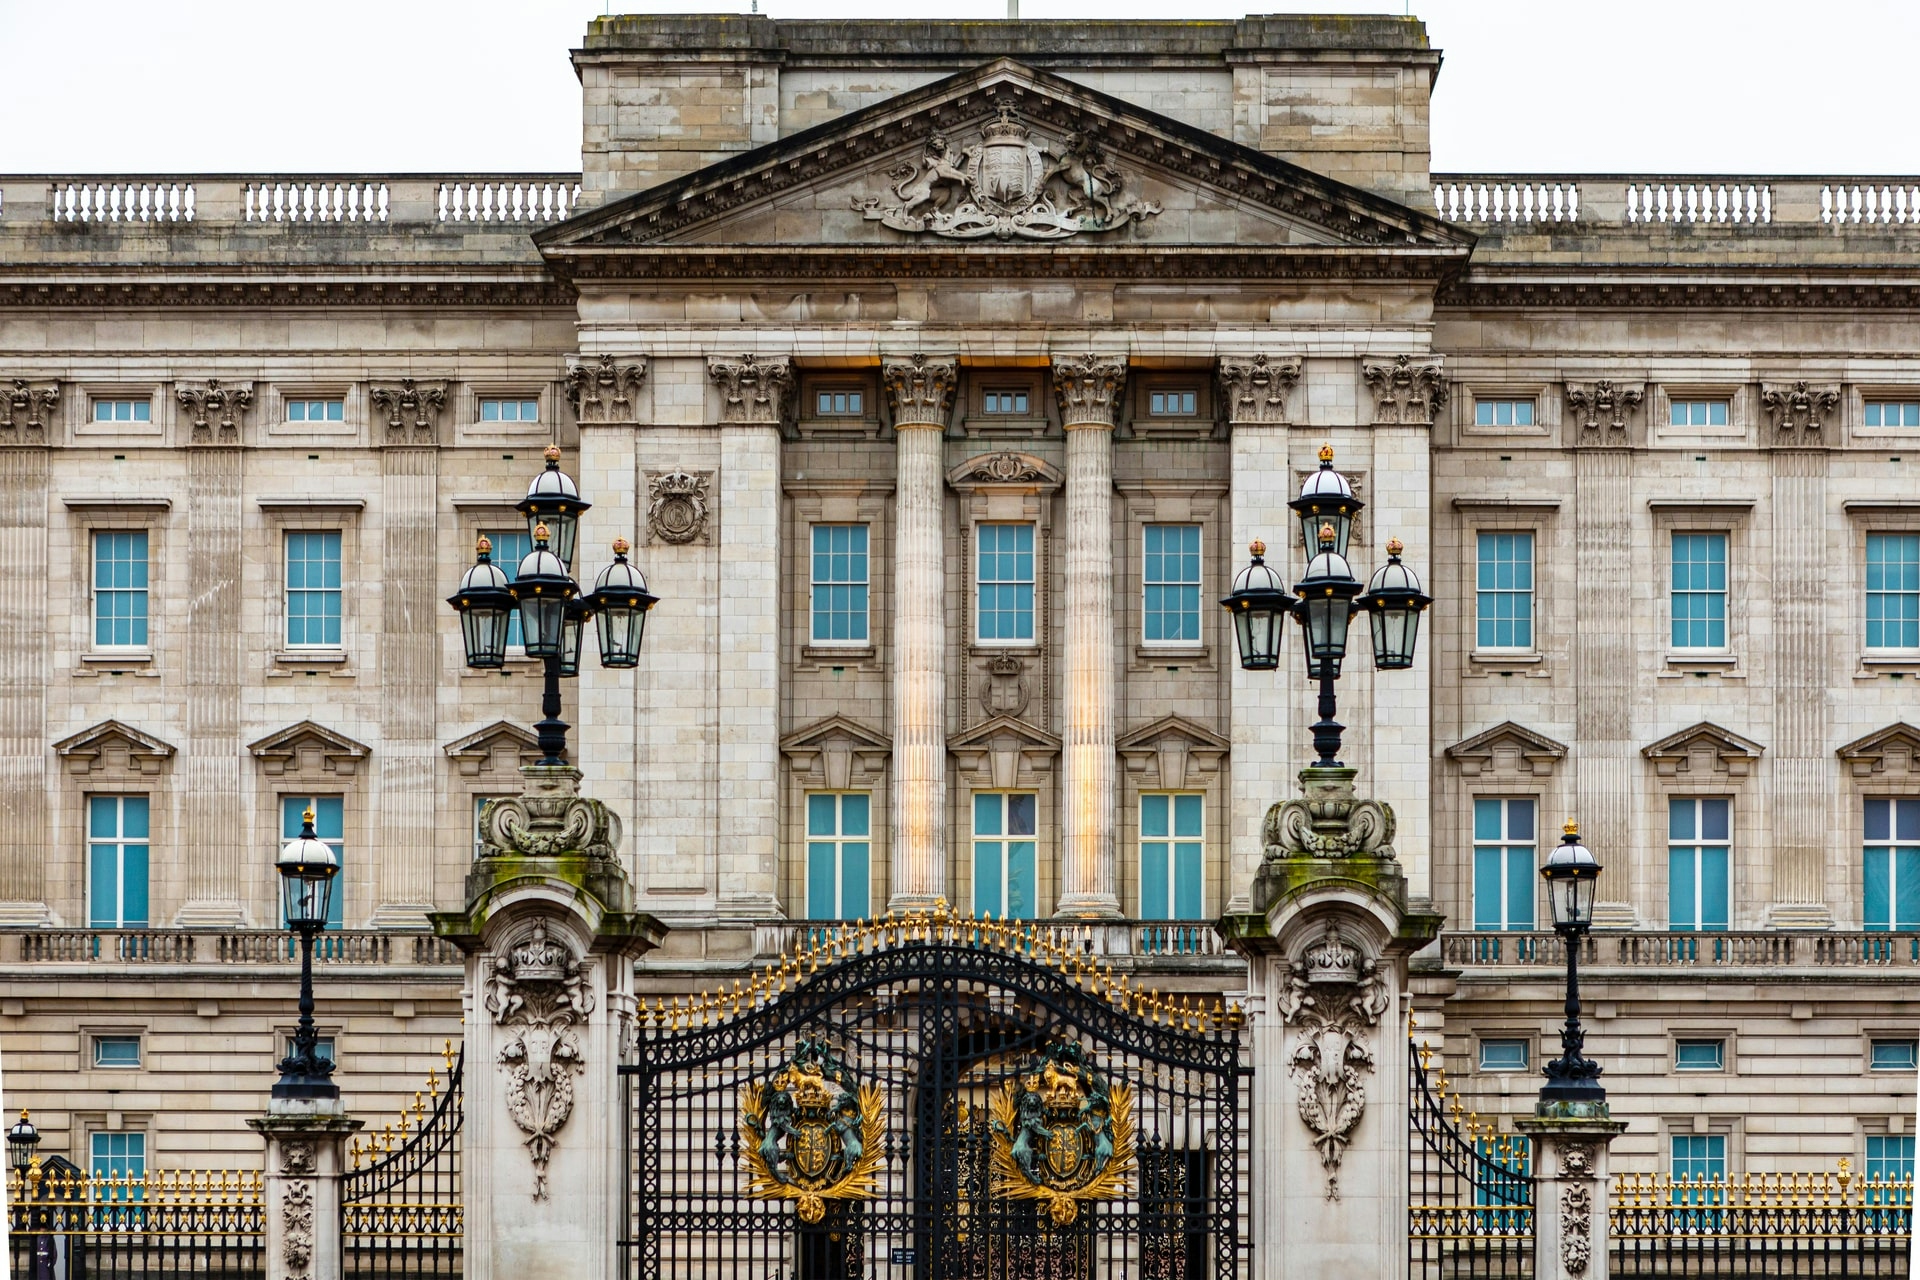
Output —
<point x="1811" y="949"/>
<point x="1604" y="200"/>
<point x="1156" y="939"/>
<point x="181" y="201"/>
<point x="216" y="947"/>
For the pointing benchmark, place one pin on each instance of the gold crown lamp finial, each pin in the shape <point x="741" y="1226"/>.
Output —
<point x="552" y="455"/>
<point x="1395" y="547"/>
<point x="483" y="545"/>
<point x="1257" y="547"/>
<point x="621" y="546"/>
<point x="1326" y="455"/>
<point x="540" y="533"/>
<point x="1572" y="828"/>
<point x="307" y="817"/>
<point x="1327" y="534"/>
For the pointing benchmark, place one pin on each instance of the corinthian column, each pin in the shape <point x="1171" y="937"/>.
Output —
<point x="1088" y="388"/>
<point x="922" y="393"/>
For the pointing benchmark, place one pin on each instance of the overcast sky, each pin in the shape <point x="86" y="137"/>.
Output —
<point x="387" y="86"/>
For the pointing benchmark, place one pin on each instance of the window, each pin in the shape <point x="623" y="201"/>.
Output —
<point x="1005" y="401"/>
<point x="1889" y="1158"/>
<point x="1003" y="849"/>
<point x="116" y="1051"/>
<point x="1171" y="582"/>
<point x="1698" y="413"/>
<point x="1894" y="1055"/>
<point x="322" y="1048"/>
<point x="840" y="584"/>
<point x="839" y="829"/>
<point x="120" y="590"/>
<point x="1504" y="605"/>
<point x="1890" y="879"/>
<point x="1503" y="1179"/>
<point x="1006" y="582"/>
<point x="329" y="823"/>
<point x="1700" y="591"/>
<point x="510" y="547"/>
<point x="123" y="411"/>
<point x="118" y="1155"/>
<point x="1893" y="591"/>
<point x="1699" y="1158"/>
<point x="1699" y="1055"/>
<point x="316" y="410"/>
<point x="1893" y="413"/>
<point x="1503" y="1055"/>
<point x="1503" y="413"/>
<point x="509" y="411"/>
<point x="1171" y="832"/>
<point x="1503" y="864"/>
<point x="117" y="852"/>
<point x="1698" y="832"/>
<point x="313" y="591"/>
<point x="838" y="403"/>
<point x="1173" y="403"/>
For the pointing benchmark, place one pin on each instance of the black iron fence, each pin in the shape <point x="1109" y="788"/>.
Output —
<point x="69" y="1225"/>
<point x="1470" y="1189"/>
<point x="401" y="1212"/>
<point x="1785" y="1224"/>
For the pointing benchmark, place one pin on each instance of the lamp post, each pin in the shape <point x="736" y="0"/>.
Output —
<point x="21" y="1140"/>
<point x="307" y="867"/>
<point x="553" y="612"/>
<point x="1570" y="872"/>
<point x="1329" y="596"/>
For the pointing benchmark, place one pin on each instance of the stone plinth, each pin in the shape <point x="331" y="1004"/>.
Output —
<point x="305" y="1141"/>
<point x="1570" y="1190"/>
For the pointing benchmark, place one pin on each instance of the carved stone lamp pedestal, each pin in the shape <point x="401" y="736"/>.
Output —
<point x="306" y="1140"/>
<point x="1570" y="1188"/>
<point x="1327" y="947"/>
<point x="550" y="939"/>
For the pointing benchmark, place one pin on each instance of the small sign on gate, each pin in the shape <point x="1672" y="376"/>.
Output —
<point x="903" y="1257"/>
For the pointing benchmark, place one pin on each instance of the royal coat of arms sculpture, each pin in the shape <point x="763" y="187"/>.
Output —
<point x="810" y="1134"/>
<point x="1062" y="1134"/>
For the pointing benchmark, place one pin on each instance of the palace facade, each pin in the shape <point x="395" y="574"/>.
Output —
<point x="941" y="375"/>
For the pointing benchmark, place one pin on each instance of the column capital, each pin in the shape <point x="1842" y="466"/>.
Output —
<point x="1798" y="410"/>
<point x="1408" y="390"/>
<point x="1256" y="388"/>
<point x="602" y="387"/>
<point x="1088" y="388"/>
<point x="412" y="407"/>
<point x="756" y="391"/>
<point x="921" y="389"/>
<point x="218" y="410"/>
<point x="26" y="407"/>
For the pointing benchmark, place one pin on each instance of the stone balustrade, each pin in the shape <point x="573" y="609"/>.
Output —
<point x="388" y="948"/>
<point x="1769" y="949"/>
<point x="163" y="201"/>
<point x="1140" y="939"/>
<point x="1601" y="200"/>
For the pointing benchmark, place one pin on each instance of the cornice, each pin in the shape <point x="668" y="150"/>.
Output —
<point x="186" y="291"/>
<point x="1703" y="288"/>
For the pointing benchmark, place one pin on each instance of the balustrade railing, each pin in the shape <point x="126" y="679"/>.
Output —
<point x="237" y="946"/>
<point x="1141" y="938"/>
<point x="180" y="201"/>
<point x="1816" y="949"/>
<point x="1600" y="201"/>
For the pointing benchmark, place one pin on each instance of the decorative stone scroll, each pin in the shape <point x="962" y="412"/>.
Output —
<point x="922" y="389"/>
<point x="601" y="389"/>
<point x="216" y="410"/>
<point x="1602" y="409"/>
<point x="1327" y="821"/>
<point x="1010" y="184"/>
<point x="1087" y="388"/>
<point x="1800" y="409"/>
<point x="755" y="390"/>
<point x="1333" y="999"/>
<point x="548" y="821"/>
<point x="1256" y="388"/>
<point x="25" y="409"/>
<point x="677" y="507"/>
<point x="412" y="408"/>
<point x="1406" y="392"/>
<point x="538" y="992"/>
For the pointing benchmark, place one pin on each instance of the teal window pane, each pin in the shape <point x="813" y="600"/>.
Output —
<point x="117" y="860"/>
<point x="1699" y="1156"/>
<point x="986" y="814"/>
<point x="133" y="885"/>
<point x="1153" y="816"/>
<point x="822" y="819"/>
<point x="1893" y="591"/>
<point x="854" y="814"/>
<point x="1188" y="811"/>
<point x="1004" y="582"/>
<point x="1716" y="898"/>
<point x="116" y="1051"/>
<point x="1700" y="1055"/>
<point x="1154" y="871"/>
<point x="1877" y="888"/>
<point x="1699" y="591"/>
<point x="120" y="589"/>
<point x="1188" y="881"/>
<point x="1171" y="584"/>
<point x="854" y="885"/>
<point x="133" y="817"/>
<point x="1020" y="813"/>
<point x="118" y="1155"/>
<point x="1488" y="888"/>
<point x="103" y="886"/>
<point x="1683" y="890"/>
<point x="1503" y="1055"/>
<point x="1487" y="820"/>
<point x="329" y="825"/>
<point x="1906" y="887"/>
<point x="1020" y="879"/>
<point x="1889" y="1158"/>
<point x="1894" y="1055"/>
<point x="313" y="589"/>
<point x="840" y="582"/>
<point x="1504" y="596"/>
<point x="822" y="878"/>
<point x="1520" y="877"/>
<point x="103" y="816"/>
<point x="989" y="878"/>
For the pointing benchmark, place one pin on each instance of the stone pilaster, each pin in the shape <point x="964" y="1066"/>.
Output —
<point x="1257" y="392"/>
<point x="407" y="764"/>
<point x="1088" y="389"/>
<point x="921" y="391"/>
<point x="304" y="1167"/>
<point x="1803" y="657"/>
<point x="1571" y="1192"/>
<point x="756" y="397"/>
<point x="24" y="473"/>
<point x="1606" y="767"/>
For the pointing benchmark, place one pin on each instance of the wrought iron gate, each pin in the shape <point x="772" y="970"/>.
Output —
<point x="936" y="1098"/>
<point x="1470" y="1190"/>
<point x="401" y="1214"/>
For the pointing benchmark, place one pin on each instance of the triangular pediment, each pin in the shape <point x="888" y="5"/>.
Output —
<point x="307" y="747"/>
<point x="502" y="744"/>
<point x="1004" y="733"/>
<point x="1171" y="728"/>
<point x="1893" y="750"/>
<point x="1000" y="158"/>
<point x="1704" y="746"/>
<point x="837" y="753"/>
<point x="836" y="731"/>
<point x="113" y="745"/>
<point x="1508" y="748"/>
<point x="1172" y="753"/>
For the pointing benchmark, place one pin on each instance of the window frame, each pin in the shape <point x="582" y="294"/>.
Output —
<point x="1880" y="400"/>
<point x="1699" y="843"/>
<point x="1706" y="402"/>
<point x="325" y="420"/>
<point x="120" y="843"/>
<point x="1874" y="1039"/>
<point x="1003" y="838"/>
<point x="839" y="840"/>
<point x="865" y="584"/>
<point x="1532" y="593"/>
<point x="1198" y="584"/>
<point x="287" y="590"/>
<point x="1894" y="845"/>
<point x="1867" y="648"/>
<point x="1174" y="842"/>
<point x="1032" y="583"/>
<point x="94" y="534"/>
<point x="1725" y="592"/>
<point x="502" y="398"/>
<point x="1513" y="403"/>
<point x="989" y="395"/>
<point x="96" y="1040"/>
<point x="1506" y="844"/>
<point x="336" y="909"/>
<point x="1723" y="1039"/>
<point x="1480" y="1053"/>
<point x="127" y="1170"/>
<point x="134" y="402"/>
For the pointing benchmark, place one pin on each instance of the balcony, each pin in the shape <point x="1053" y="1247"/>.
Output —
<point x="1824" y="950"/>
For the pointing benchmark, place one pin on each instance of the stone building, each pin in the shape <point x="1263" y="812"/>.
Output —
<point x="941" y="374"/>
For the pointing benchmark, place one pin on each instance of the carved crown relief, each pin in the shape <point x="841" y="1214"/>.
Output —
<point x="1332" y="1001"/>
<point x="1800" y="408"/>
<point x="1602" y="408"/>
<point x="677" y="507"/>
<point x="412" y="408"/>
<point x="921" y="389"/>
<point x="1406" y="391"/>
<point x="754" y="390"/>
<point x="602" y="389"/>
<point x="1256" y="388"/>
<point x="25" y="409"/>
<point x="1004" y="689"/>
<point x="1009" y="184"/>
<point x="538" y="992"/>
<point x="216" y="410"/>
<point x="1087" y="388"/>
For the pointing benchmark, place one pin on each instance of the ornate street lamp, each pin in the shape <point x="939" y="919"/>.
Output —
<point x="553" y="613"/>
<point x="1571" y="872"/>
<point x="1329" y="595"/>
<point x="21" y="1140"/>
<point x="307" y="867"/>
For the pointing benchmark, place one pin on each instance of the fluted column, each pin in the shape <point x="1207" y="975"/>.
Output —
<point x="921" y="390"/>
<point x="25" y="468"/>
<point x="1088" y="388"/>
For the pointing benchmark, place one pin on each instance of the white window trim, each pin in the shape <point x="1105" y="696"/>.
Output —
<point x="1684" y="652"/>
<point x="93" y="594"/>
<point x="838" y="841"/>
<point x="1733" y="856"/>
<point x="1200" y="583"/>
<point x="1507" y="652"/>
<point x="813" y="585"/>
<point x="1473" y="842"/>
<point x="1139" y="849"/>
<point x="1033" y="583"/>
<point x="975" y="839"/>
<point x="287" y="589"/>
<point x="1882" y="652"/>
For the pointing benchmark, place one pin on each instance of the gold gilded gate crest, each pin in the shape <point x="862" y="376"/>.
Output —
<point x="1062" y="1134"/>
<point x="810" y="1135"/>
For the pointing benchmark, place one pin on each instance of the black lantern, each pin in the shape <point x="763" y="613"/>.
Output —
<point x="1571" y="873"/>
<point x="573" y="630"/>
<point x="1326" y="498"/>
<point x="620" y="601"/>
<point x="1394" y="603"/>
<point x="486" y="609"/>
<point x="543" y="589"/>
<point x="1326" y="606"/>
<point x="21" y="1140"/>
<point x="1259" y="605"/>
<point x="553" y="500"/>
<point x="307" y="867"/>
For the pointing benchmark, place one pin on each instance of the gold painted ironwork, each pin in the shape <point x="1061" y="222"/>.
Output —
<point x="162" y="1202"/>
<point x="810" y="1135"/>
<point x="1062" y="1134"/>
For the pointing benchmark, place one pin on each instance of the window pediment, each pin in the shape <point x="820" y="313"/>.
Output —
<point x="1507" y="749"/>
<point x="1704" y="748"/>
<point x="1003" y="752"/>
<point x="113" y="747"/>
<point x="838" y="753"/>
<point x="1894" y="750"/>
<point x="308" y="748"/>
<point x="1172" y="751"/>
<point x="1006" y="470"/>
<point x="480" y="751"/>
